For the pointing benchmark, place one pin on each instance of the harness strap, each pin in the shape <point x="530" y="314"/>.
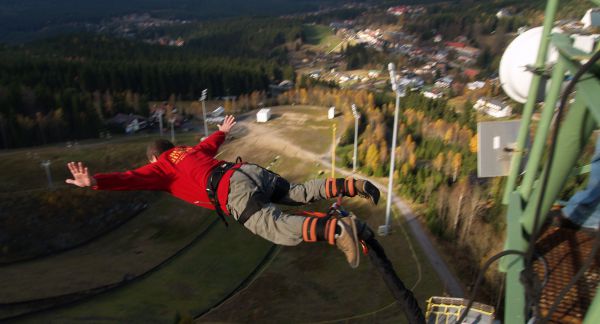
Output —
<point x="316" y="229"/>
<point x="213" y="184"/>
<point x="257" y="200"/>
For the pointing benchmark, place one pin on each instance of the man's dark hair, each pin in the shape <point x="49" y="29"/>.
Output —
<point x="158" y="147"/>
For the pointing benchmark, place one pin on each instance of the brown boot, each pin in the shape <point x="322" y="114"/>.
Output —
<point x="324" y="229"/>
<point x="347" y="241"/>
<point x="351" y="187"/>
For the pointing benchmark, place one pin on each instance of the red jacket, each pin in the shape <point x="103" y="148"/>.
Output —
<point x="182" y="171"/>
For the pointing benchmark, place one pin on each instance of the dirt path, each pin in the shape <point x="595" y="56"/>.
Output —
<point x="256" y="136"/>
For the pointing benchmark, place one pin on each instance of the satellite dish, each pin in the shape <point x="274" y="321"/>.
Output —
<point x="521" y="52"/>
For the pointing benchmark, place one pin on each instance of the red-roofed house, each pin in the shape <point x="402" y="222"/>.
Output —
<point x="456" y="44"/>
<point x="471" y="73"/>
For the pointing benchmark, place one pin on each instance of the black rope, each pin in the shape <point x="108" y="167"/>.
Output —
<point x="401" y="293"/>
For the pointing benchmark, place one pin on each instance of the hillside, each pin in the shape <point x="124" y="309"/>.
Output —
<point x="28" y="19"/>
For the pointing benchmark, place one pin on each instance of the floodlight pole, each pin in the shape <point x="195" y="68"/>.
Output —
<point x="203" y="99"/>
<point x="356" y="118"/>
<point x="172" y="121"/>
<point x="46" y="165"/>
<point x="385" y="229"/>
<point x="160" y="122"/>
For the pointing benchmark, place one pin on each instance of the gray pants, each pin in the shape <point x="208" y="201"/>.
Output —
<point x="269" y="222"/>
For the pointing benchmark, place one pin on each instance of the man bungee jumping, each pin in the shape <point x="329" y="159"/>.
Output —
<point x="244" y="191"/>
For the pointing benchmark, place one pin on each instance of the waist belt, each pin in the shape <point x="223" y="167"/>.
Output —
<point x="212" y="185"/>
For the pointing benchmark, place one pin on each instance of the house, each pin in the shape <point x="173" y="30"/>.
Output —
<point x="373" y="74"/>
<point x="281" y="87"/>
<point x="444" y="82"/>
<point x="367" y="36"/>
<point x="263" y="115"/>
<point x="493" y="107"/>
<point x="522" y="29"/>
<point x="315" y="74"/>
<point x="217" y="112"/>
<point x="468" y="51"/>
<point x="216" y="116"/>
<point x="440" y="56"/>
<point x="129" y="123"/>
<point x="331" y="113"/>
<point x="433" y="94"/>
<point x="455" y="45"/>
<point x="471" y="73"/>
<point x="411" y="81"/>
<point x="591" y="18"/>
<point x="586" y="43"/>
<point x="475" y="85"/>
<point x="504" y="13"/>
<point x="344" y="78"/>
<point x="398" y="11"/>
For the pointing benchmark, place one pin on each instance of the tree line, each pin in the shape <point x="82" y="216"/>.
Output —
<point x="67" y="87"/>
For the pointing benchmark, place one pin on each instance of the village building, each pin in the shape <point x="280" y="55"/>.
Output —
<point x="433" y="94"/>
<point x="444" y="82"/>
<point x="475" y="85"/>
<point x="591" y="18"/>
<point x="493" y="107"/>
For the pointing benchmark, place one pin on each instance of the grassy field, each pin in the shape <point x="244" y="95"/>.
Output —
<point x="131" y="249"/>
<point x="28" y="206"/>
<point x="194" y="281"/>
<point x="128" y="251"/>
<point x="307" y="126"/>
<point x="322" y="38"/>
<point x="313" y="283"/>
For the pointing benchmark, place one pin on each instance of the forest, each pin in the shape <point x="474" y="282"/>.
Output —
<point x="63" y="88"/>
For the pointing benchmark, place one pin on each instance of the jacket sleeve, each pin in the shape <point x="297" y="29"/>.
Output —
<point x="211" y="144"/>
<point x="148" y="177"/>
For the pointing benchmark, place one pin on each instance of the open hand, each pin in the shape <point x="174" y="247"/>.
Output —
<point x="227" y="124"/>
<point x="81" y="175"/>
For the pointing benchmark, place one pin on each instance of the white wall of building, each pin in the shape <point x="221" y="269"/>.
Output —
<point x="263" y="115"/>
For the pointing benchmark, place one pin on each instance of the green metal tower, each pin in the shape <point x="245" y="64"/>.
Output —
<point x="525" y="195"/>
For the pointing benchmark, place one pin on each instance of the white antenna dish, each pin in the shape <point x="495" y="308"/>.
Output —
<point x="515" y="77"/>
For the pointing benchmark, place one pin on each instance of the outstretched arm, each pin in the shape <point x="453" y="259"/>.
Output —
<point x="81" y="175"/>
<point x="148" y="177"/>
<point x="228" y="124"/>
<point x="212" y="143"/>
